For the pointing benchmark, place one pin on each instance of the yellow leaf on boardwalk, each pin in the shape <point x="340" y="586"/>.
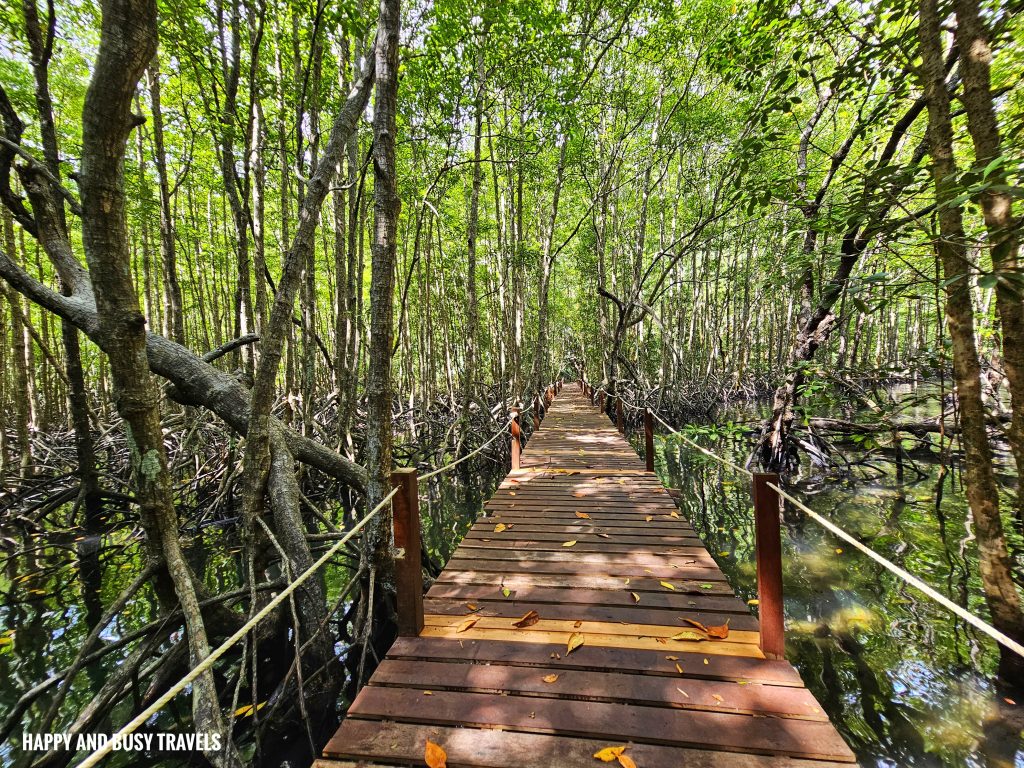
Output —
<point x="688" y="634"/>
<point x="582" y="515"/>
<point x="609" y="753"/>
<point x="575" y="641"/>
<point x="500" y="527"/>
<point x="435" y="756"/>
<point x="666" y="585"/>
<point x="626" y="761"/>
<point x="636" y="597"/>
<point x="549" y="678"/>
<point x="569" y="543"/>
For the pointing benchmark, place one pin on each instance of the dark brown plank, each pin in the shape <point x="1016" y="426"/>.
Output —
<point x="649" y="725"/>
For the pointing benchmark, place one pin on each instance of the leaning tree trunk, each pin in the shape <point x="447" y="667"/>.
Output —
<point x="982" y="492"/>
<point x="997" y="205"/>
<point x="127" y="43"/>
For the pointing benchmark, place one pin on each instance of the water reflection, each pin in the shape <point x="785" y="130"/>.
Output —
<point x="906" y="682"/>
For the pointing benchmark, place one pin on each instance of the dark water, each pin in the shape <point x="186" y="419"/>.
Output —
<point x="905" y="682"/>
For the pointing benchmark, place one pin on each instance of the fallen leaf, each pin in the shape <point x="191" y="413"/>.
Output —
<point x="683" y="692"/>
<point x="626" y="761"/>
<point x="549" y="678"/>
<point x="706" y="661"/>
<point x="688" y="634"/>
<point x="569" y="543"/>
<point x="428" y="693"/>
<point x="679" y="668"/>
<point x="720" y="631"/>
<point x="577" y="624"/>
<point x="666" y="585"/>
<point x="582" y="515"/>
<point x="673" y="513"/>
<point x="696" y="624"/>
<point x="511" y="493"/>
<point x="636" y="597"/>
<point x="609" y="753"/>
<point x="575" y="641"/>
<point x="435" y="756"/>
<point x="468" y="623"/>
<point x="672" y="658"/>
<point x="472" y="606"/>
<point x="500" y="527"/>
<point x="556" y="655"/>
<point x="717" y="698"/>
<point x="506" y="591"/>
<point x="649" y="518"/>
<point x="839" y="551"/>
<point x="661" y="640"/>
<point x="529" y="619"/>
<point x="604" y="535"/>
<point x="706" y="586"/>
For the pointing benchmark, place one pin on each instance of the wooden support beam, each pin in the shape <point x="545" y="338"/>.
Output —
<point x="514" y="427"/>
<point x="768" y="548"/>
<point x="405" y="507"/>
<point x="649" y="439"/>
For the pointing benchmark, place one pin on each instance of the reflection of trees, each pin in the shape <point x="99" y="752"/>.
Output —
<point x="821" y="587"/>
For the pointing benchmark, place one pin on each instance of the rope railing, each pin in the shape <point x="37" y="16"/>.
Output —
<point x="409" y="577"/>
<point x="224" y="647"/>
<point x="906" y="576"/>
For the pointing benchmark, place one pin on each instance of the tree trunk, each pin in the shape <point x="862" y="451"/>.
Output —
<point x="982" y="492"/>
<point x="127" y="44"/>
<point x="997" y="205"/>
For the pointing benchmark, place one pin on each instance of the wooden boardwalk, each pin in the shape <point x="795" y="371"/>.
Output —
<point x="592" y="543"/>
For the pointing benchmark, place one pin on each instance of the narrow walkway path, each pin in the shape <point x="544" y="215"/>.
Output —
<point x="595" y="546"/>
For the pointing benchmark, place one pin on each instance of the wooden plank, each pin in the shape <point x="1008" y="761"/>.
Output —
<point x="634" y="614"/>
<point x="515" y="579"/>
<point x="526" y="564"/>
<point x="610" y="686"/>
<point x="650" y="725"/>
<point x="481" y="593"/>
<point x="405" y="743"/>
<point x="635" y="661"/>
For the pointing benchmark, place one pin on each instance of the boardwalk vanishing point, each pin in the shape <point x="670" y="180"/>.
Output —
<point x="586" y="551"/>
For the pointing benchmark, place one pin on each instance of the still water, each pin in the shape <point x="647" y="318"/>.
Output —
<point x="905" y="682"/>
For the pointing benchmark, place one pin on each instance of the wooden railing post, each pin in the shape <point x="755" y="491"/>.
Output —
<point x="649" y="439"/>
<point x="514" y="427"/>
<point x="768" y="549"/>
<point x="620" y="420"/>
<point x="405" y="508"/>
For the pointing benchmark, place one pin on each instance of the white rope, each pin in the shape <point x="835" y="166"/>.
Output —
<point x="446" y="467"/>
<point x="915" y="582"/>
<point x="223" y="648"/>
<point x="906" y="576"/>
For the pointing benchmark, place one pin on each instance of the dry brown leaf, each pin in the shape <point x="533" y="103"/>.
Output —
<point x="435" y="756"/>
<point x="582" y="515"/>
<point x="673" y="513"/>
<point x="609" y="753"/>
<point x="604" y="535"/>
<point x="717" y="698"/>
<point x="626" y="761"/>
<point x="578" y="624"/>
<point x="696" y="624"/>
<point x="575" y="641"/>
<point x="472" y="606"/>
<point x="468" y="623"/>
<point x="720" y="631"/>
<point x="549" y="678"/>
<point x="529" y="619"/>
